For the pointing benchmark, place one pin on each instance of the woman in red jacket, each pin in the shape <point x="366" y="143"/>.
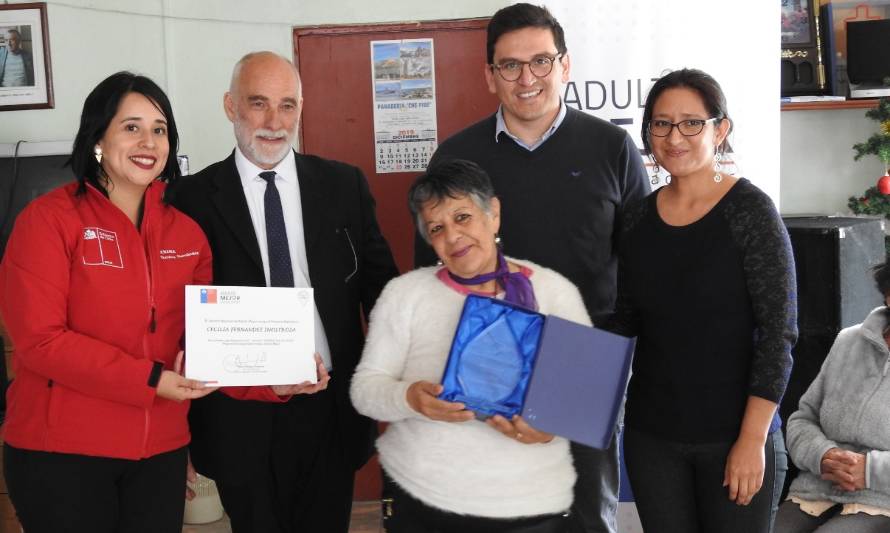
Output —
<point x="91" y="291"/>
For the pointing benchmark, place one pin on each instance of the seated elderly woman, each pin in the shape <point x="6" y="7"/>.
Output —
<point x="840" y="435"/>
<point x="452" y="472"/>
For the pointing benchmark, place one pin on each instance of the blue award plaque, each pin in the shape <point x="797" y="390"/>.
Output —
<point x="492" y="356"/>
<point x="562" y="377"/>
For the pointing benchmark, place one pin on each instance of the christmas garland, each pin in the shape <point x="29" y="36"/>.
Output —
<point x="876" y="199"/>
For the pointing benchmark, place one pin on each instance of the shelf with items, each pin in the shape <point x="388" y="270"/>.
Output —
<point x="829" y="28"/>
<point x="864" y="103"/>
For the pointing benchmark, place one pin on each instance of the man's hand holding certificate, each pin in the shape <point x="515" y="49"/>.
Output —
<point x="306" y="387"/>
<point x="242" y="336"/>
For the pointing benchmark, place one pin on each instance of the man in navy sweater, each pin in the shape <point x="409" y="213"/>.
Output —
<point x="563" y="178"/>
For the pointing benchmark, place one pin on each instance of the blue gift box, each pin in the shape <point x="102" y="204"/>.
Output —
<point x="562" y="377"/>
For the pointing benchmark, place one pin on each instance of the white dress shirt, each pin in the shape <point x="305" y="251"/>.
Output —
<point x="289" y="190"/>
<point x="501" y="127"/>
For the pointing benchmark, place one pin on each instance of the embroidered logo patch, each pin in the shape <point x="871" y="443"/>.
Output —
<point x="100" y="248"/>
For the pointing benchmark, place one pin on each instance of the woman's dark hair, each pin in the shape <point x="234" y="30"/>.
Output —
<point x="882" y="277"/>
<point x="702" y="83"/>
<point x="520" y="16"/>
<point x="99" y="108"/>
<point x="452" y="178"/>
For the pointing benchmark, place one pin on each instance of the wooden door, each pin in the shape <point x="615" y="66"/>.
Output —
<point x="338" y="120"/>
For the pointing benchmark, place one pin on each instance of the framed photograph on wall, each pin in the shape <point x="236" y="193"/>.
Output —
<point x="25" y="69"/>
<point x="797" y="23"/>
<point x="802" y="69"/>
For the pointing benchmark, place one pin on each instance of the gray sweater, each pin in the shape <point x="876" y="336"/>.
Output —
<point x="847" y="406"/>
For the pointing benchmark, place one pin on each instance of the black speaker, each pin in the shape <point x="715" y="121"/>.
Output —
<point x="868" y="51"/>
<point x="23" y="179"/>
<point x="833" y="258"/>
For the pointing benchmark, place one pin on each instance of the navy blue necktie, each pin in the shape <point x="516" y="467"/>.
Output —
<point x="281" y="272"/>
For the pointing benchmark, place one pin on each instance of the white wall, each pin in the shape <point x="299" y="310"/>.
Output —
<point x="614" y="42"/>
<point x="188" y="47"/>
<point x="817" y="167"/>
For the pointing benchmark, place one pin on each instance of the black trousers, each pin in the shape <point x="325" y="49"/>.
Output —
<point x="67" y="493"/>
<point x="306" y="487"/>
<point x="403" y="513"/>
<point x="678" y="487"/>
<point x="791" y="519"/>
<point x="596" y="489"/>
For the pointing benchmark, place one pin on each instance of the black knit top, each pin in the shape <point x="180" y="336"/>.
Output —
<point x="714" y="305"/>
<point x="560" y="203"/>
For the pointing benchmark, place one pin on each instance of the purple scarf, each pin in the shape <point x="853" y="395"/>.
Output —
<point x="516" y="285"/>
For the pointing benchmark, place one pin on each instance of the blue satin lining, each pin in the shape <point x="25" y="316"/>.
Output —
<point x="492" y="356"/>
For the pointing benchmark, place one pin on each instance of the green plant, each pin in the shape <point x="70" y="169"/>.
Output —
<point x="873" y="202"/>
<point x="879" y="143"/>
<point x="876" y="199"/>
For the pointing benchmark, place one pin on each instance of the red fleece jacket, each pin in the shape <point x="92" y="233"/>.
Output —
<point x="90" y="303"/>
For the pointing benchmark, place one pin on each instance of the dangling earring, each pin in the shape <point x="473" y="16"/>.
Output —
<point x="655" y="170"/>
<point x="654" y="179"/>
<point x="97" y="152"/>
<point x="717" y="166"/>
<point x="497" y="240"/>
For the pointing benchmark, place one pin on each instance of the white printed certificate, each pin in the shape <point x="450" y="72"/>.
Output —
<point x="249" y="335"/>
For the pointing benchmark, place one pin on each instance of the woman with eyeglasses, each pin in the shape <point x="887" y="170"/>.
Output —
<point x="706" y="282"/>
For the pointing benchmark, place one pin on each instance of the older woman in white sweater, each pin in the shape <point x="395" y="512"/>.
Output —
<point x="452" y="472"/>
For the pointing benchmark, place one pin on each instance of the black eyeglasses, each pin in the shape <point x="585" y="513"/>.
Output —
<point x="687" y="128"/>
<point x="540" y="66"/>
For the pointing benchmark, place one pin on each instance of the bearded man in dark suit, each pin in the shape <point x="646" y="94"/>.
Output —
<point x="284" y="457"/>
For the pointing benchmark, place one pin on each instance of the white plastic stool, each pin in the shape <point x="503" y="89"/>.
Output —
<point x="206" y="506"/>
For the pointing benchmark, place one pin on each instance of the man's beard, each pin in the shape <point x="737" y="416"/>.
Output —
<point x="251" y="148"/>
